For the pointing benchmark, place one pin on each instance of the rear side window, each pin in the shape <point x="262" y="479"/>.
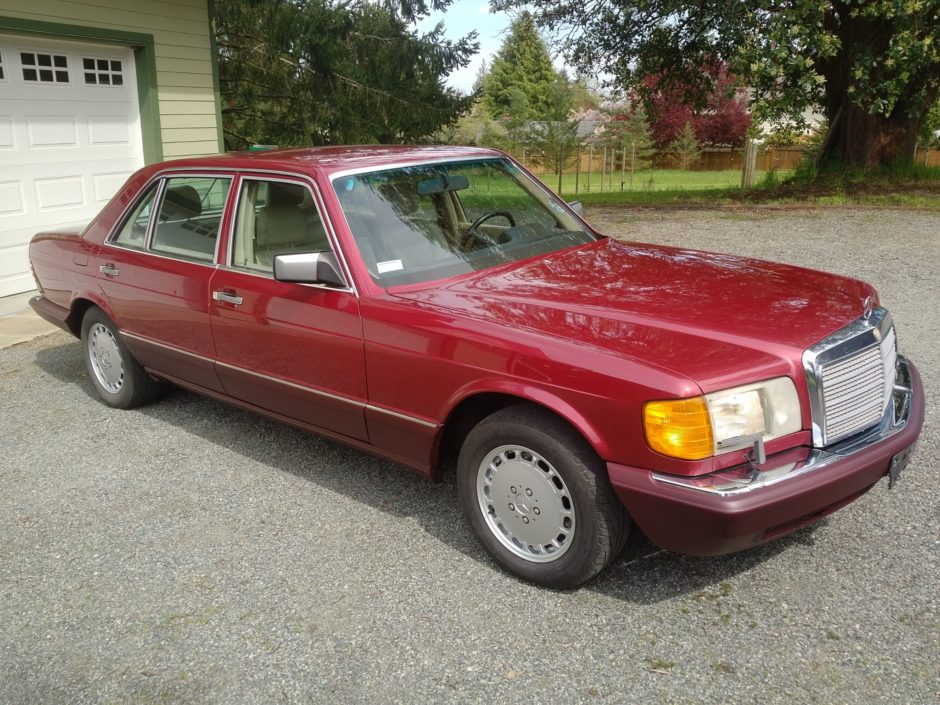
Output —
<point x="188" y="220"/>
<point x="133" y="233"/>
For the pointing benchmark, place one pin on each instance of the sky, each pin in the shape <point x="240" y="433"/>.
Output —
<point x="462" y="17"/>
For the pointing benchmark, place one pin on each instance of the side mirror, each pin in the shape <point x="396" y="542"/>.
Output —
<point x="577" y="207"/>
<point x="309" y="268"/>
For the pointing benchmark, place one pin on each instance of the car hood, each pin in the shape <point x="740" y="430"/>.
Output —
<point x="715" y="319"/>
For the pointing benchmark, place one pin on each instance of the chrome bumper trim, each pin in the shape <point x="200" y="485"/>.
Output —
<point x="743" y="478"/>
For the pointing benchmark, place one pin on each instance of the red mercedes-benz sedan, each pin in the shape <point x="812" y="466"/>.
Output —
<point x="427" y="303"/>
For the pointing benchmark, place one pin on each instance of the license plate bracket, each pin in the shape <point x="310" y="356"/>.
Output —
<point x="898" y="463"/>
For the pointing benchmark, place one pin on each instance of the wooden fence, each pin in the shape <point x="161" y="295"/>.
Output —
<point x="611" y="159"/>
<point x="927" y="157"/>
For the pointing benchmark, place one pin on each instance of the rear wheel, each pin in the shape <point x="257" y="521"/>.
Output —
<point x="538" y="498"/>
<point x="118" y="378"/>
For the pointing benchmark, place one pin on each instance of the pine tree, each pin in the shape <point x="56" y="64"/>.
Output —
<point x="685" y="148"/>
<point x="634" y="138"/>
<point x="310" y="73"/>
<point x="521" y="65"/>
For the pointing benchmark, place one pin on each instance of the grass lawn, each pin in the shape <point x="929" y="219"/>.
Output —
<point x="907" y="186"/>
<point x="645" y="181"/>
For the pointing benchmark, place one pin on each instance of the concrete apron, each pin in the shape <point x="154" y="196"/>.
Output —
<point x="18" y="322"/>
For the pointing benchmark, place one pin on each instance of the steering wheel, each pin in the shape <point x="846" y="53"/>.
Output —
<point x="472" y="233"/>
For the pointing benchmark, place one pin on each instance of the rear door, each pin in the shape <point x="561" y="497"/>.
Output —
<point x="293" y="349"/>
<point x="156" y="272"/>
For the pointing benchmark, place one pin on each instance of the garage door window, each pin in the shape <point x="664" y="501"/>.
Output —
<point x="102" y="72"/>
<point x="44" y="68"/>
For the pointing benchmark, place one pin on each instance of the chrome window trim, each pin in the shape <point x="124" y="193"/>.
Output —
<point x="158" y="255"/>
<point x="218" y="237"/>
<point x="753" y="478"/>
<point x="328" y="227"/>
<point x="392" y="166"/>
<point x="862" y="333"/>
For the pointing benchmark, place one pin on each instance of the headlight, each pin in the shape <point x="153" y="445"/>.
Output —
<point x="692" y="429"/>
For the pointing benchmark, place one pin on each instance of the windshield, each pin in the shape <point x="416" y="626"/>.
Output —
<point x="420" y="223"/>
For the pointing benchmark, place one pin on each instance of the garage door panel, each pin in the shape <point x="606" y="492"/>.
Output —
<point x="11" y="199"/>
<point x="11" y="259"/>
<point x="55" y="194"/>
<point x="51" y="131"/>
<point x="106" y="185"/>
<point x="108" y="130"/>
<point x="6" y="132"/>
<point x="66" y="146"/>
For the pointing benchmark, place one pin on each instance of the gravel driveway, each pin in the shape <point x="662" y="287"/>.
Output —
<point x="189" y="552"/>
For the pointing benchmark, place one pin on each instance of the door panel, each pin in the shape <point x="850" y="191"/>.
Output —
<point x="163" y="305"/>
<point x="293" y="349"/>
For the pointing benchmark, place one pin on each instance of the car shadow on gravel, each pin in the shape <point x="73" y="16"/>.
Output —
<point x="642" y="574"/>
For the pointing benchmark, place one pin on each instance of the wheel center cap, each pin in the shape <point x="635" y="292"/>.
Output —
<point x="522" y="503"/>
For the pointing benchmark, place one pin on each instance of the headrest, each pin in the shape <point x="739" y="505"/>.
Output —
<point x="285" y="194"/>
<point x="184" y="200"/>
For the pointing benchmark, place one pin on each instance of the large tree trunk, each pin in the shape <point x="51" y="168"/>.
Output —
<point x="859" y="139"/>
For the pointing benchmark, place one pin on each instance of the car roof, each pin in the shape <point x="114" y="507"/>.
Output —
<point x="331" y="160"/>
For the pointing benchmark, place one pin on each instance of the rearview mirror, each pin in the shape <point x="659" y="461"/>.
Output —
<point x="457" y="182"/>
<point x="309" y="268"/>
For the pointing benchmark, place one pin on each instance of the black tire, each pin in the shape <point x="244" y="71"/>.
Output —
<point x="600" y="523"/>
<point x="119" y="379"/>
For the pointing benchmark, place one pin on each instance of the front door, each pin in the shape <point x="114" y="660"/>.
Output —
<point x="293" y="349"/>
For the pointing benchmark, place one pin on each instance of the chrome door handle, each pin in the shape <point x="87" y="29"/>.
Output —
<point x="109" y="270"/>
<point x="227" y="297"/>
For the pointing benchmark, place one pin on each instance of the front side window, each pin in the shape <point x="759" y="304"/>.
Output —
<point x="416" y="224"/>
<point x="187" y="224"/>
<point x="275" y="217"/>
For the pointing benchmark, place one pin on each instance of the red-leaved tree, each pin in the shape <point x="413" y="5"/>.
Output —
<point x="722" y="120"/>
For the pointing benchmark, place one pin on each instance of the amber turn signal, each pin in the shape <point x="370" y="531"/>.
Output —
<point x="679" y="428"/>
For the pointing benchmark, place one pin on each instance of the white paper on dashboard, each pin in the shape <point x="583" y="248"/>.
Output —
<point x="392" y="265"/>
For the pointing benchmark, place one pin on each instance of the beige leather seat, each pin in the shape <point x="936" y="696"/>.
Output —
<point x="287" y="223"/>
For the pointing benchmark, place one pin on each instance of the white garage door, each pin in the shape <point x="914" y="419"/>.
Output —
<point x="69" y="137"/>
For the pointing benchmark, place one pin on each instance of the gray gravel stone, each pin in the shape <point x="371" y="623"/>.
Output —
<point x="189" y="552"/>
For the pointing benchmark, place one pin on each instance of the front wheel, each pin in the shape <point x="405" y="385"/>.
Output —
<point x="538" y="498"/>
<point x="119" y="379"/>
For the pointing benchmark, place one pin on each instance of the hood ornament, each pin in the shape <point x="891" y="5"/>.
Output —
<point x="868" y="308"/>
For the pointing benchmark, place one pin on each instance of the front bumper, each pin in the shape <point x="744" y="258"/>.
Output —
<point x="743" y="507"/>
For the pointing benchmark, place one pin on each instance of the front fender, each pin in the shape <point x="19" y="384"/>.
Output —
<point x="525" y="391"/>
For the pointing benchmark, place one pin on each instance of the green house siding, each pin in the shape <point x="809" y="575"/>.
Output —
<point x="177" y="85"/>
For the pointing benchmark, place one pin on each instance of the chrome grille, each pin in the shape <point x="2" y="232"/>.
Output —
<point x="855" y="389"/>
<point x="850" y="377"/>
